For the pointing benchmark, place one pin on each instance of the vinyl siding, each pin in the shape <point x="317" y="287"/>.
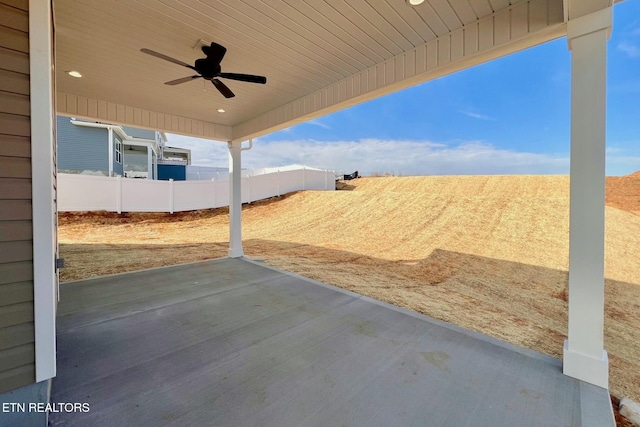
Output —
<point x="17" y="352"/>
<point x="81" y="148"/>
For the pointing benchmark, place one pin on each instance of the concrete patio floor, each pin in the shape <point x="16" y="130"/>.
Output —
<point x="231" y="342"/>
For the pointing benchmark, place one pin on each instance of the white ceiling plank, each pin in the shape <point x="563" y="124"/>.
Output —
<point x="464" y="11"/>
<point x="413" y="19"/>
<point x="398" y="21"/>
<point x="497" y="5"/>
<point x="371" y="22"/>
<point x="329" y="22"/>
<point x="481" y="7"/>
<point x="446" y="13"/>
<point x="431" y="17"/>
<point x="317" y="55"/>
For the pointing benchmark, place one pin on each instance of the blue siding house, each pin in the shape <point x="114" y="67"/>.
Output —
<point x="101" y="149"/>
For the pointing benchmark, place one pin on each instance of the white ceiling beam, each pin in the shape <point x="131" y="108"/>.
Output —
<point x="119" y="114"/>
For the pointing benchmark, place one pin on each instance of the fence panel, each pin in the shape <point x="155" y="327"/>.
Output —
<point x="87" y="193"/>
<point x="144" y="195"/>
<point x="90" y="193"/>
<point x="193" y="195"/>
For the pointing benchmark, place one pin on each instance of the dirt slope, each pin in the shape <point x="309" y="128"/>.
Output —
<point x="489" y="253"/>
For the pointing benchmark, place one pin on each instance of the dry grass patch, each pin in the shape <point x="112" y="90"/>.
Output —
<point x="488" y="253"/>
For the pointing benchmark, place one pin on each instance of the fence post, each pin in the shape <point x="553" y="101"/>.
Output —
<point x="171" y="195"/>
<point x="119" y="194"/>
<point x="303" y="183"/>
<point x="278" y="180"/>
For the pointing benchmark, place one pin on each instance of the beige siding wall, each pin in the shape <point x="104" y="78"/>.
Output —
<point x="17" y="353"/>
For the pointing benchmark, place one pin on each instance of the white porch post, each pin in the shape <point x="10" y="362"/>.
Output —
<point x="45" y="277"/>
<point x="235" y="200"/>
<point x="584" y="355"/>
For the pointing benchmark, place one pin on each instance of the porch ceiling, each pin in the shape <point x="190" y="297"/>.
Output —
<point x="318" y="56"/>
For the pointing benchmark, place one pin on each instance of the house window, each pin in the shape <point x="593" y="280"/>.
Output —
<point x="118" y="144"/>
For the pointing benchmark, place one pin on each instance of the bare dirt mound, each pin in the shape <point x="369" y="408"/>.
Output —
<point x="489" y="253"/>
<point x="624" y="192"/>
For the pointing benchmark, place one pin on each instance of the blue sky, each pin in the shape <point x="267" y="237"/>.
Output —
<point x="508" y="116"/>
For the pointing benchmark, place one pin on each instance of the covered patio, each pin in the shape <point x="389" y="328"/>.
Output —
<point x="85" y="59"/>
<point x="232" y="342"/>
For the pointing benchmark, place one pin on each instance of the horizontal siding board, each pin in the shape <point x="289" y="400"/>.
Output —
<point x="15" y="167"/>
<point x="16" y="272"/>
<point x="14" y="18"/>
<point x="13" y="188"/>
<point x="81" y="147"/>
<point x="13" y="336"/>
<point x="13" y="82"/>
<point x="15" y="146"/>
<point x="13" y="103"/>
<point x="14" y="231"/>
<point x="14" y="293"/>
<point x="14" y="39"/>
<point x="18" y="377"/>
<point x="15" y="210"/>
<point x="18" y="4"/>
<point x="17" y="356"/>
<point x="17" y="62"/>
<point x="16" y="314"/>
<point x="10" y="124"/>
<point x="16" y="251"/>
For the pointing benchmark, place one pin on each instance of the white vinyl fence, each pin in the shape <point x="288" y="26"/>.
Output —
<point x="117" y="194"/>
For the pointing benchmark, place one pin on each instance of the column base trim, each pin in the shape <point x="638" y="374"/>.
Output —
<point x="586" y="368"/>
<point x="235" y="253"/>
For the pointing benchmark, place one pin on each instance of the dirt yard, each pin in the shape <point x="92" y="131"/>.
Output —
<point x="489" y="253"/>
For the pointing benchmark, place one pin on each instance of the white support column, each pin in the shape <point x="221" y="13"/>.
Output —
<point x="584" y="355"/>
<point x="235" y="200"/>
<point x="45" y="278"/>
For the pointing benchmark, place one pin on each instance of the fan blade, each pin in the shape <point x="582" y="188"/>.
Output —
<point x="182" y="80"/>
<point x="214" y="53"/>
<point x="224" y="90"/>
<point x="165" y="57"/>
<point x="244" y="77"/>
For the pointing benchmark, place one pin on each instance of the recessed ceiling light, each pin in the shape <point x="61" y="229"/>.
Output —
<point x="414" y="2"/>
<point x="74" y="73"/>
<point x="220" y="110"/>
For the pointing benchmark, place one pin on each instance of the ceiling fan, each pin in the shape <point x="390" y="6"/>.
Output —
<point x="209" y="69"/>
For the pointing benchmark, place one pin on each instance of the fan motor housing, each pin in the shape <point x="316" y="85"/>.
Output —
<point x="207" y="69"/>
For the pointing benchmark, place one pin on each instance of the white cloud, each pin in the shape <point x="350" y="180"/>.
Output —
<point x="400" y="157"/>
<point x="405" y="157"/>
<point x="631" y="50"/>
<point x="476" y="115"/>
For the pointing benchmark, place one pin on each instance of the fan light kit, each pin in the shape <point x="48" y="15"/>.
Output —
<point x="74" y="73"/>
<point x="209" y="69"/>
<point x="414" y="2"/>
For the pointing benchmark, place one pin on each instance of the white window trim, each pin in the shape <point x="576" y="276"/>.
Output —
<point x="117" y="146"/>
